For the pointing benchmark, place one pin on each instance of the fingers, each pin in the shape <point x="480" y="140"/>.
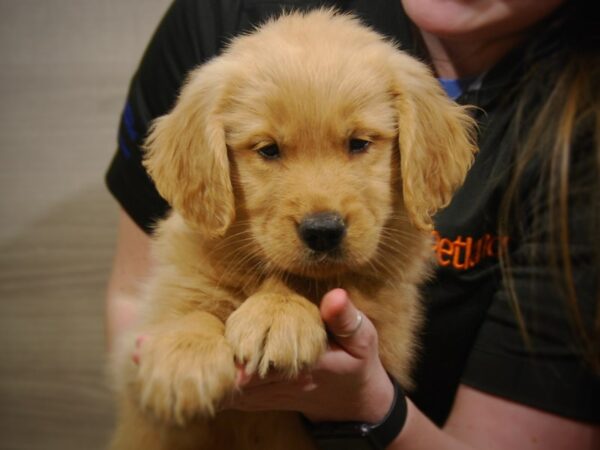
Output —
<point x="275" y="390"/>
<point x="247" y="381"/>
<point x="350" y="328"/>
<point x="135" y="356"/>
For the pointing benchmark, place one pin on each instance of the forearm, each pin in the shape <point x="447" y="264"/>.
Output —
<point x="121" y="311"/>
<point x="483" y="421"/>
<point x="131" y="266"/>
<point x="420" y="433"/>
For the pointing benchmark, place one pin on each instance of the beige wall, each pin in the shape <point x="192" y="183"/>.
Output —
<point x="64" y="70"/>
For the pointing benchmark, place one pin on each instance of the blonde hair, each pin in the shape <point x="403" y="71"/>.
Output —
<point x="567" y="122"/>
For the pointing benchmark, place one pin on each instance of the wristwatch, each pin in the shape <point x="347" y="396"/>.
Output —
<point x="362" y="436"/>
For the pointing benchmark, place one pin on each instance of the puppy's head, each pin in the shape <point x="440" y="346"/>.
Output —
<point x="320" y="134"/>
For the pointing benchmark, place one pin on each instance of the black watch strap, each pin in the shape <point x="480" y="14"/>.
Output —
<point x="362" y="436"/>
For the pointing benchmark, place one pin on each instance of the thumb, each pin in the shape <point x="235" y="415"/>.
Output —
<point x="350" y="328"/>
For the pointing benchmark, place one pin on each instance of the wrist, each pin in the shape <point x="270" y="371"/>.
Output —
<point x="369" y="402"/>
<point x="378" y="399"/>
<point x="368" y="436"/>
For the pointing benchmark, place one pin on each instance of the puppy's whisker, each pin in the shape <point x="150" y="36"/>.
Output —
<point x="391" y="273"/>
<point x="234" y="239"/>
<point x="243" y="263"/>
<point x="246" y="264"/>
<point x="392" y="246"/>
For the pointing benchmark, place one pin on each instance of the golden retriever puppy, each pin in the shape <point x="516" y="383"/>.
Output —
<point x="310" y="155"/>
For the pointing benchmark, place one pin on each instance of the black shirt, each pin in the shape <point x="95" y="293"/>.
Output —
<point x="472" y="335"/>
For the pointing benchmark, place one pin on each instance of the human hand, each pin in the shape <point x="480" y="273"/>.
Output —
<point x="348" y="383"/>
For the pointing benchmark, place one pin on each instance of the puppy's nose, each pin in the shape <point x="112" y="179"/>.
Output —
<point x="322" y="232"/>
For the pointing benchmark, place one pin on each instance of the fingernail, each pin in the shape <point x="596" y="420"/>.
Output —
<point x="307" y="382"/>
<point x="140" y="340"/>
<point x="242" y="378"/>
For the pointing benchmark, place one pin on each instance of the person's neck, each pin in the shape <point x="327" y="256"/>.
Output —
<point x="453" y="58"/>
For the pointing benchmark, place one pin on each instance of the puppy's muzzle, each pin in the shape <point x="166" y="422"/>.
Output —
<point x="322" y="232"/>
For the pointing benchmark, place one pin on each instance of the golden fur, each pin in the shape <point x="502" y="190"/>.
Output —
<point x="234" y="280"/>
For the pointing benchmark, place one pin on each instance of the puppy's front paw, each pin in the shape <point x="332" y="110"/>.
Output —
<point x="284" y="332"/>
<point x="182" y="375"/>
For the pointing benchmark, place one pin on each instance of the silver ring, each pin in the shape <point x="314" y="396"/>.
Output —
<point x="359" y="321"/>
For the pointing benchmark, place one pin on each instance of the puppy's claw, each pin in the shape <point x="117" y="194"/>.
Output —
<point x="271" y="331"/>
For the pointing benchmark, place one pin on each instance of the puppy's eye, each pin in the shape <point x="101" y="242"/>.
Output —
<point x="358" y="145"/>
<point x="269" y="152"/>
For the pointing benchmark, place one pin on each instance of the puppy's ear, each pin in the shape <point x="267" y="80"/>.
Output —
<point x="186" y="154"/>
<point x="436" y="140"/>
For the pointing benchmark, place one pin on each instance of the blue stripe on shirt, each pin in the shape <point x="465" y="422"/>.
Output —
<point x="128" y="125"/>
<point x="454" y="88"/>
<point x="129" y="121"/>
